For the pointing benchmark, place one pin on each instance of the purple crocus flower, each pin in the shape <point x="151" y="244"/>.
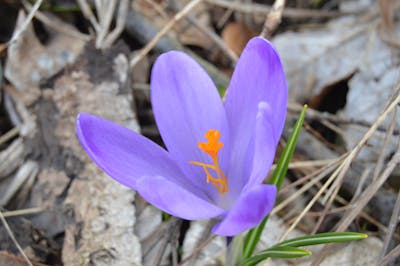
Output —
<point x="218" y="153"/>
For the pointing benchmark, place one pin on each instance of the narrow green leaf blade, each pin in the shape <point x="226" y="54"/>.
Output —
<point x="287" y="154"/>
<point x="276" y="252"/>
<point x="323" y="238"/>
<point x="253" y="236"/>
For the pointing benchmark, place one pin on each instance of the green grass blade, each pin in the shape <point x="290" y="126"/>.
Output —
<point x="277" y="252"/>
<point x="323" y="238"/>
<point x="253" y="236"/>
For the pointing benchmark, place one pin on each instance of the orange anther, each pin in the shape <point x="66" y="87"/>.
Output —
<point x="211" y="147"/>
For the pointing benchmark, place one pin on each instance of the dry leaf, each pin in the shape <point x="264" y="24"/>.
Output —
<point x="236" y="35"/>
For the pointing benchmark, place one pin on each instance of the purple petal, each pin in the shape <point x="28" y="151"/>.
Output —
<point x="186" y="105"/>
<point x="249" y="210"/>
<point x="175" y="200"/>
<point x="264" y="145"/>
<point x="123" y="154"/>
<point x="258" y="77"/>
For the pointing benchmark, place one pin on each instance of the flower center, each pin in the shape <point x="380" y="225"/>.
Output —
<point x="211" y="147"/>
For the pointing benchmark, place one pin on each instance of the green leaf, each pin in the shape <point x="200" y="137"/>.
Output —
<point x="165" y="216"/>
<point x="253" y="236"/>
<point x="287" y="154"/>
<point x="323" y="238"/>
<point x="276" y="252"/>
<point x="221" y="90"/>
<point x="234" y="252"/>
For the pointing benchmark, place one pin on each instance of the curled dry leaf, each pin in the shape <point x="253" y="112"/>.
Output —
<point x="29" y="61"/>
<point x="236" y="35"/>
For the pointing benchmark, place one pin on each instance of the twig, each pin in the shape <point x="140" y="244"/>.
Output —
<point x="273" y="19"/>
<point x="11" y="234"/>
<point x="163" y="31"/>
<point x="295" y="13"/>
<point x="30" y="16"/>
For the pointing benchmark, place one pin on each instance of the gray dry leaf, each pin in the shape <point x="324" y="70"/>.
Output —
<point x="100" y="211"/>
<point x="346" y="47"/>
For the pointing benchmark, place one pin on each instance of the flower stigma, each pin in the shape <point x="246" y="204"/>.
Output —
<point x="211" y="147"/>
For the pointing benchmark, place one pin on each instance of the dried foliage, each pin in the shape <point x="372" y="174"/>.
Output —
<point x="61" y="58"/>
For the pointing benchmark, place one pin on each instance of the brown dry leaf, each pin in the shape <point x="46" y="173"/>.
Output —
<point x="29" y="61"/>
<point x="236" y="35"/>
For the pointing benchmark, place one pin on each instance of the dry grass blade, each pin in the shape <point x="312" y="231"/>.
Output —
<point x="317" y="176"/>
<point x="366" y="196"/>
<point x="392" y="225"/>
<point x="120" y="23"/>
<point x="105" y="11"/>
<point x="343" y="168"/>
<point x="395" y="253"/>
<point x="324" y="116"/>
<point x="374" y="186"/>
<point x="215" y="38"/>
<point x="208" y="33"/>
<point x="24" y="212"/>
<point x="383" y="153"/>
<point x="28" y="19"/>
<point x="55" y="24"/>
<point x="313" y="200"/>
<point x="198" y="249"/>
<point x="11" y="234"/>
<point x="253" y="8"/>
<point x="163" y="31"/>
<point x="9" y="135"/>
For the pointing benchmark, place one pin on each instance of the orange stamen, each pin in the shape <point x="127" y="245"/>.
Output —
<point x="211" y="147"/>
